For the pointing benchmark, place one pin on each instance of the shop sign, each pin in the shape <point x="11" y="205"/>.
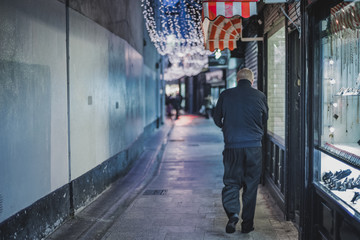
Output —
<point x="222" y="61"/>
<point x="215" y="77"/>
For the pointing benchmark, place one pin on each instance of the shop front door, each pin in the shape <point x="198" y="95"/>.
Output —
<point x="294" y="168"/>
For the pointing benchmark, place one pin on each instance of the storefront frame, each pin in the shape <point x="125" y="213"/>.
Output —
<point x="283" y="171"/>
<point x="324" y="216"/>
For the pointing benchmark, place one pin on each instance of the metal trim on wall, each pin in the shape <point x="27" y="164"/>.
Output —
<point x="275" y="156"/>
<point x="294" y="14"/>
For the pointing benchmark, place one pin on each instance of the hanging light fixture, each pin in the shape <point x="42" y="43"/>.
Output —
<point x="217" y="53"/>
<point x="175" y="29"/>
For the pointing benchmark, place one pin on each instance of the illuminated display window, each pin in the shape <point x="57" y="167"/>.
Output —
<point x="340" y="80"/>
<point x="337" y="104"/>
<point x="276" y="83"/>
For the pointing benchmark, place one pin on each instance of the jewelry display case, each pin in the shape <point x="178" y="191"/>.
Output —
<point x="340" y="75"/>
<point x="336" y="104"/>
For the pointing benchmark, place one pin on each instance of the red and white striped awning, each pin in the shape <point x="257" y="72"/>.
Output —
<point x="345" y="15"/>
<point x="222" y="32"/>
<point x="228" y="8"/>
<point x="222" y="21"/>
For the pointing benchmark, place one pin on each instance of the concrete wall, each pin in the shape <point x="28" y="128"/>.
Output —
<point x="33" y="122"/>
<point x="113" y="94"/>
<point x="106" y="81"/>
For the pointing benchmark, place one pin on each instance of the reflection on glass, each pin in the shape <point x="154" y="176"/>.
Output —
<point x="276" y="83"/>
<point x="342" y="179"/>
<point x="340" y="52"/>
<point x="338" y="48"/>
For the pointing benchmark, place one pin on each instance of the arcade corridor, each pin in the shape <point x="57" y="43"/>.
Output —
<point x="181" y="199"/>
<point x="87" y="150"/>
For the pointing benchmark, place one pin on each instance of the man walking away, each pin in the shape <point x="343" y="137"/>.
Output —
<point x="241" y="112"/>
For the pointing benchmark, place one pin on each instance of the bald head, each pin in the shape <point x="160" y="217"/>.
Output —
<point x="245" y="73"/>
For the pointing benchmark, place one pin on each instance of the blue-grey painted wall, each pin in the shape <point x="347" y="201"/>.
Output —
<point x="33" y="122"/>
<point x="113" y="92"/>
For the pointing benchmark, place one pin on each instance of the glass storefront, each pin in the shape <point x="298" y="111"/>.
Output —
<point x="276" y="89"/>
<point x="337" y="104"/>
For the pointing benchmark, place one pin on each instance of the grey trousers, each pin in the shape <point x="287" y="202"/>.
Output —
<point x="242" y="169"/>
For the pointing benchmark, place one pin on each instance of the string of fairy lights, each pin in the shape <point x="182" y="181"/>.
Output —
<point x="175" y="29"/>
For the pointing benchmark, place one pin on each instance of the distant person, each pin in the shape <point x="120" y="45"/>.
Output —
<point x="241" y="112"/>
<point x="208" y="106"/>
<point x="168" y="104"/>
<point x="177" y="104"/>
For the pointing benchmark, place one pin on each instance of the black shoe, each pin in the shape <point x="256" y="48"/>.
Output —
<point x="231" y="225"/>
<point x="247" y="226"/>
<point x="247" y="230"/>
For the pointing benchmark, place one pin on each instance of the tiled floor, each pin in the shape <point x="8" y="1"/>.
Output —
<point x="191" y="175"/>
<point x="182" y="200"/>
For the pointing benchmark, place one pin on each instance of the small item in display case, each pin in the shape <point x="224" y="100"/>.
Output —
<point x="342" y="173"/>
<point x="327" y="176"/>
<point x="349" y="91"/>
<point x="333" y="181"/>
<point x="356" y="197"/>
<point x="347" y="154"/>
<point x="356" y="183"/>
<point x="340" y="92"/>
<point x="351" y="184"/>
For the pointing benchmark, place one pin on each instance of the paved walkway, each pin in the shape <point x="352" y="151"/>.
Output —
<point x="183" y="199"/>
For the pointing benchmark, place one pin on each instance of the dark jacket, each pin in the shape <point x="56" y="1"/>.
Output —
<point x="241" y="112"/>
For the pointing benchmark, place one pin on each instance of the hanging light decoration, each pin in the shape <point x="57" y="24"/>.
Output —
<point x="175" y="29"/>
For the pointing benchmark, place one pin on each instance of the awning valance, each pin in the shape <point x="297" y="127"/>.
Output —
<point x="228" y="8"/>
<point x="222" y="32"/>
<point x="345" y="16"/>
<point x="222" y="21"/>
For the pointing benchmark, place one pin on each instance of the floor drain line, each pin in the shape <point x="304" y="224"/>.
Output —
<point x="155" y="192"/>
<point x="193" y="145"/>
<point x="185" y="179"/>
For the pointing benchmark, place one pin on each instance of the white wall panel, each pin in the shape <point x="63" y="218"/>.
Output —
<point x="108" y="70"/>
<point x="33" y="122"/>
<point x="89" y="122"/>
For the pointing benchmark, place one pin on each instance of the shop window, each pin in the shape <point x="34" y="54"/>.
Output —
<point x="337" y="104"/>
<point x="276" y="82"/>
<point x="339" y="129"/>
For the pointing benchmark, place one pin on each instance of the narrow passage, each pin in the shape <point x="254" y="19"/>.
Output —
<point x="184" y="200"/>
